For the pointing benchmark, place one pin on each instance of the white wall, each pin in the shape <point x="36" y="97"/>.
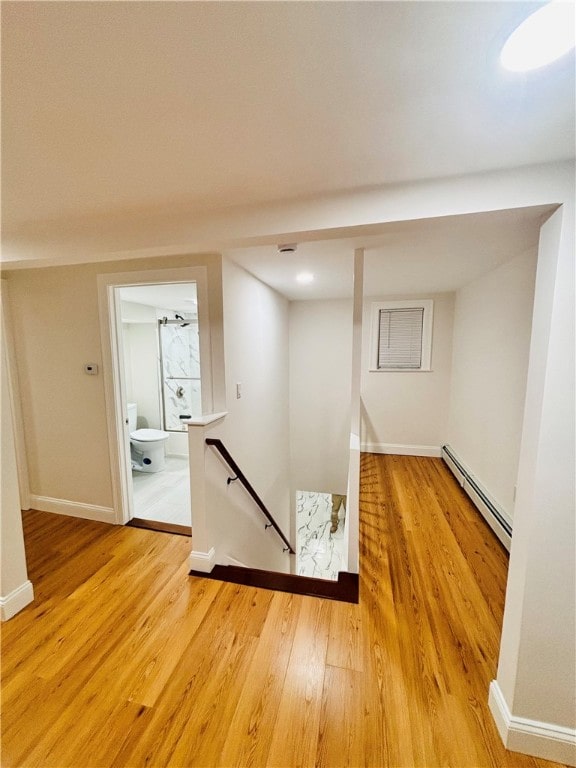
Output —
<point x="407" y="409"/>
<point x="320" y="381"/>
<point x="56" y="331"/>
<point x="537" y="665"/>
<point x="142" y="353"/>
<point x="492" y="323"/>
<point x="256" y="430"/>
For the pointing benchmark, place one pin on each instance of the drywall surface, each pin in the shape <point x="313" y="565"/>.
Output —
<point x="141" y="355"/>
<point x="408" y="408"/>
<point x="320" y="391"/>
<point x="256" y="429"/>
<point x="56" y="329"/>
<point x="537" y="665"/>
<point x="296" y="220"/>
<point x="492" y="323"/>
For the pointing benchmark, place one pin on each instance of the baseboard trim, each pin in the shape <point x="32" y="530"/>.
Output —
<point x="18" y="599"/>
<point x="531" y="737"/>
<point x="400" y="449"/>
<point x="73" y="509"/>
<point x="344" y="589"/>
<point x="202" y="561"/>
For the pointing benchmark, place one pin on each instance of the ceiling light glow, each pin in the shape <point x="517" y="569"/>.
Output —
<point x="542" y="38"/>
<point x="305" y="277"/>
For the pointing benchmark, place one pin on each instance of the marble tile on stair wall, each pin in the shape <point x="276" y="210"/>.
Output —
<point x="319" y="552"/>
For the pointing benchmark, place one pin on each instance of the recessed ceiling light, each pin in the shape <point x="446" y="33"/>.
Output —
<point x="305" y="277"/>
<point x="542" y="38"/>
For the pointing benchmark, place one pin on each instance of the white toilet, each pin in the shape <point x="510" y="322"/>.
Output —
<point x="147" y="446"/>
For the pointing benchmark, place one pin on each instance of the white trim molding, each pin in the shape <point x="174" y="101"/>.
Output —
<point x="14" y="397"/>
<point x="18" y="599"/>
<point x="205" y="420"/>
<point x="73" y="509"/>
<point x="202" y="561"/>
<point x="403" y="450"/>
<point x="519" y="734"/>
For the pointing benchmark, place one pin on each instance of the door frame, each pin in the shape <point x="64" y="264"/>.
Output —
<point x="9" y="360"/>
<point x="113" y="368"/>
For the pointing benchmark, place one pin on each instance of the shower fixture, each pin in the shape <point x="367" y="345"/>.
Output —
<point x="178" y="320"/>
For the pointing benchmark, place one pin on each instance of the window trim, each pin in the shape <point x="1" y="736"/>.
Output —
<point x="427" y="321"/>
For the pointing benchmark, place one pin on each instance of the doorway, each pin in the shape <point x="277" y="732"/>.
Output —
<point x="156" y="334"/>
<point x="160" y="353"/>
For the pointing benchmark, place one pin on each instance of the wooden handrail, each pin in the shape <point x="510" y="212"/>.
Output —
<point x="221" y="448"/>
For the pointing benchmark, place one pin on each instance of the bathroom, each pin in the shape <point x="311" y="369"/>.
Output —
<point x="161" y="365"/>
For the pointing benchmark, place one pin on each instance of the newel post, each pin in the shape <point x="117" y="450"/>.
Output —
<point x="203" y="555"/>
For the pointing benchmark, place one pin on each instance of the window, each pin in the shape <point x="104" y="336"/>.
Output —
<point x="401" y="335"/>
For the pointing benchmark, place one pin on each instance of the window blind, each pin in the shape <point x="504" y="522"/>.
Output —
<point x="400" y="338"/>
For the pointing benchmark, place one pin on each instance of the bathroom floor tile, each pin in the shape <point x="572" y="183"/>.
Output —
<point x="163" y="496"/>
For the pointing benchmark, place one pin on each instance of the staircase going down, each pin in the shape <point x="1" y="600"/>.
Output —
<point x="344" y="589"/>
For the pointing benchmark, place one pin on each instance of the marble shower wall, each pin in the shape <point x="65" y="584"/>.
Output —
<point x="180" y="348"/>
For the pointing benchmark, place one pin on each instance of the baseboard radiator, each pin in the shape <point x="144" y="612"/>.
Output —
<point x="495" y="517"/>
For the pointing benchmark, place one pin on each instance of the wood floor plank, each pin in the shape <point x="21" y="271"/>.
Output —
<point x="295" y="738"/>
<point x="89" y="665"/>
<point x="341" y="734"/>
<point x="251" y="728"/>
<point x="124" y="661"/>
<point x="175" y="620"/>
<point x="345" y="638"/>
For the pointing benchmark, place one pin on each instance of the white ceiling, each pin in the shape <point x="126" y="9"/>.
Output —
<point x="411" y="257"/>
<point x="112" y="108"/>
<point x="175" y="296"/>
<point x="124" y="113"/>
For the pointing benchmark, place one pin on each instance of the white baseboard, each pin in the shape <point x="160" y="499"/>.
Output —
<point x="545" y="740"/>
<point x="403" y="450"/>
<point x="202" y="561"/>
<point x="176" y="455"/>
<point x="17" y="599"/>
<point x="73" y="509"/>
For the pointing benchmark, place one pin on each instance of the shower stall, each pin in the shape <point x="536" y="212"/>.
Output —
<point x="180" y="389"/>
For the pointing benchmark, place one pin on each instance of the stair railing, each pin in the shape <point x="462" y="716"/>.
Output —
<point x="223" y="451"/>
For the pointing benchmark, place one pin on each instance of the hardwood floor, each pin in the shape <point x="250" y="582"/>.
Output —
<point x="123" y="660"/>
